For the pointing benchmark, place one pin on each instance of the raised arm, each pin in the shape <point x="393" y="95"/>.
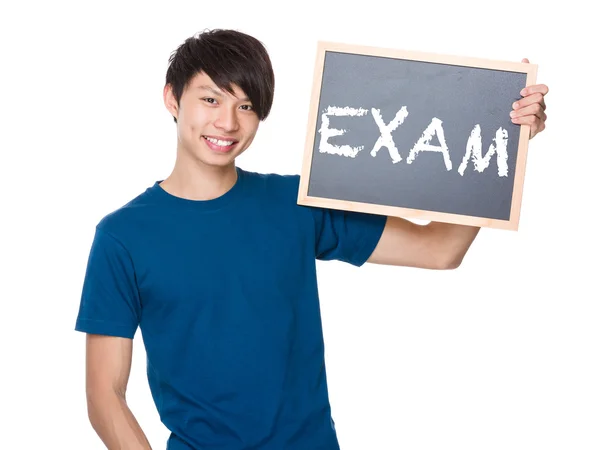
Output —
<point x="434" y="246"/>
<point x="108" y="364"/>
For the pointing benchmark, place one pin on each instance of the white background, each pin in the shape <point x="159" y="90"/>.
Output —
<point x="503" y="353"/>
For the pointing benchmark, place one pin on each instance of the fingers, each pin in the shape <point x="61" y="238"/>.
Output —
<point x="532" y="115"/>
<point x="533" y="89"/>
<point x="530" y="100"/>
<point x="532" y="111"/>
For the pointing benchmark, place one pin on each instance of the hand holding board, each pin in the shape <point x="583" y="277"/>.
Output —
<point x="416" y="135"/>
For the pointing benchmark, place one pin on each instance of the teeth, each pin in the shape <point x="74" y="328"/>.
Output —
<point x="218" y="141"/>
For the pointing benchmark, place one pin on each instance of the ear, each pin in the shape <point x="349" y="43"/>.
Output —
<point x="170" y="102"/>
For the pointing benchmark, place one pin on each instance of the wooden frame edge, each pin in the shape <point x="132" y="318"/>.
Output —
<point x="456" y="60"/>
<point x="397" y="211"/>
<point x="312" y="121"/>
<point x="304" y="199"/>
<point x="522" y="150"/>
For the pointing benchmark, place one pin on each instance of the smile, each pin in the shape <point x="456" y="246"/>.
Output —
<point x="219" y="142"/>
<point x="220" y="145"/>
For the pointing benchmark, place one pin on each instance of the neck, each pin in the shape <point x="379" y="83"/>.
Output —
<point x="194" y="180"/>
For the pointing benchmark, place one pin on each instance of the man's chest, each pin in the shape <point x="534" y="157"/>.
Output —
<point x="219" y="263"/>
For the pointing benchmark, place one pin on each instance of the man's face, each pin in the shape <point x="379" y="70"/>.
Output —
<point x="213" y="126"/>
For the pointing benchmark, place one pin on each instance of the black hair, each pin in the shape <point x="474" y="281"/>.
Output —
<point x="229" y="58"/>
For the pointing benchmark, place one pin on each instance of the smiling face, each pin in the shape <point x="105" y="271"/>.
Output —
<point x="213" y="125"/>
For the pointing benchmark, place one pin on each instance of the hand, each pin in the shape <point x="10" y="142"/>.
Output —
<point x="531" y="109"/>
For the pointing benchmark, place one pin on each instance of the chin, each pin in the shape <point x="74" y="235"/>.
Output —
<point x="209" y="157"/>
<point x="215" y="160"/>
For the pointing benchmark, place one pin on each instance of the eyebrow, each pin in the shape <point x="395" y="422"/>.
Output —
<point x="216" y="92"/>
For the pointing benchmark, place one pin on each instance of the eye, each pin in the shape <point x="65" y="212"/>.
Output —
<point x="246" y="107"/>
<point x="210" y="100"/>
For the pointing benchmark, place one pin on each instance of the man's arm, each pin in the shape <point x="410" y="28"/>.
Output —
<point x="108" y="364"/>
<point x="434" y="246"/>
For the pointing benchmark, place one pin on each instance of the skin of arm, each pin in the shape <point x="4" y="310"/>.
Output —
<point x="438" y="246"/>
<point x="108" y="364"/>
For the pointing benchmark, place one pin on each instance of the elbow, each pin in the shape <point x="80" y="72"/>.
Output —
<point x="454" y="264"/>
<point x="96" y="404"/>
<point x="95" y="417"/>
<point x="448" y="262"/>
<point x="100" y="404"/>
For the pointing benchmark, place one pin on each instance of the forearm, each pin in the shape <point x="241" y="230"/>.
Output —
<point x="115" y="424"/>
<point x="454" y="241"/>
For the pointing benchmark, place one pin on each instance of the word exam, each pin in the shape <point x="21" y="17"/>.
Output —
<point x="473" y="147"/>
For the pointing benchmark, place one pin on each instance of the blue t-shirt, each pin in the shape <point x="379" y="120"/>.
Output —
<point x="224" y="292"/>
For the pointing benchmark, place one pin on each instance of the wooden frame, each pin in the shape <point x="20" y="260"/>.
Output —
<point x="305" y="199"/>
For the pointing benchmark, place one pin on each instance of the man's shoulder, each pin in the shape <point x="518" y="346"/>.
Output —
<point x="273" y="179"/>
<point x="275" y="184"/>
<point x="128" y="214"/>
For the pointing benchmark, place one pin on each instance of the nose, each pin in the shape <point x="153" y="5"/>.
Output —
<point x="226" y="119"/>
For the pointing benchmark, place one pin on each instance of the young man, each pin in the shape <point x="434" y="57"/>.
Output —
<point x="217" y="267"/>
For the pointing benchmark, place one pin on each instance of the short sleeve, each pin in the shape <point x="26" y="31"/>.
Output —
<point x="346" y="235"/>
<point x="110" y="302"/>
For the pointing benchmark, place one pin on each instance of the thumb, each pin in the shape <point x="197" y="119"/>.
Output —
<point x="525" y="60"/>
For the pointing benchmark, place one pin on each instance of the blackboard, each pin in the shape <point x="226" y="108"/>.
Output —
<point x="416" y="135"/>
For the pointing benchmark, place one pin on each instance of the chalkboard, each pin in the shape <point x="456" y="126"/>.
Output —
<point x="414" y="134"/>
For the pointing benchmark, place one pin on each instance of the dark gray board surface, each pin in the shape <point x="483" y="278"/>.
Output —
<point x="460" y="96"/>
